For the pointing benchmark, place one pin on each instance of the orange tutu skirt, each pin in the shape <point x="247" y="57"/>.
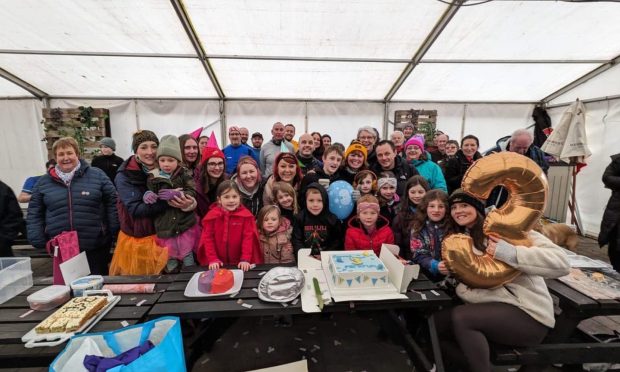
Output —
<point x="138" y="256"/>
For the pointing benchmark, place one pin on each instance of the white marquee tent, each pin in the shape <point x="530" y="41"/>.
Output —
<point x="329" y="66"/>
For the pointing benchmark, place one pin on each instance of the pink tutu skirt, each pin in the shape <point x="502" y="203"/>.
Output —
<point x="182" y="244"/>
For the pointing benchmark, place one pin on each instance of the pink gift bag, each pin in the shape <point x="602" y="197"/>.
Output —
<point x="62" y="247"/>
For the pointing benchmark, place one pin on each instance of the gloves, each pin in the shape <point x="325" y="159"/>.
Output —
<point x="149" y="197"/>
<point x="355" y="195"/>
<point x="168" y="194"/>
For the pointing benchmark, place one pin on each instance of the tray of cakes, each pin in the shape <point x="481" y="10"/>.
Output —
<point x="78" y="315"/>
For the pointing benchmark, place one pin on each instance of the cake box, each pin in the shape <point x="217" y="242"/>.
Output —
<point x="358" y="269"/>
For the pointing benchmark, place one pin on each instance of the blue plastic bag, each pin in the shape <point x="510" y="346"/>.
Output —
<point x="164" y="333"/>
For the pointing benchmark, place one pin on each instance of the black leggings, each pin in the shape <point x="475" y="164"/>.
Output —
<point x="465" y="331"/>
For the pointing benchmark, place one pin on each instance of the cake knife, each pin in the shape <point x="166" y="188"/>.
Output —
<point x="318" y="293"/>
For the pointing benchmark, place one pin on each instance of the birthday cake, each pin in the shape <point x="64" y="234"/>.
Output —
<point x="215" y="281"/>
<point x="358" y="269"/>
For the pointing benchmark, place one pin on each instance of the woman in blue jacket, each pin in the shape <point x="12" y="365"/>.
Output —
<point x="421" y="160"/>
<point x="73" y="196"/>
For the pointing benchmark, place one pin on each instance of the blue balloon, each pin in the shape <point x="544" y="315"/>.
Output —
<point x="340" y="200"/>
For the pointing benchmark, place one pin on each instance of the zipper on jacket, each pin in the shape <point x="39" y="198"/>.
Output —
<point x="70" y="206"/>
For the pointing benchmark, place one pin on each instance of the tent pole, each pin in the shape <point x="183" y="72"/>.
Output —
<point x="179" y="8"/>
<point x="306" y="124"/>
<point x="590" y="75"/>
<point x="23" y="84"/>
<point x="440" y="25"/>
<point x="223" y="136"/>
<point x="386" y="119"/>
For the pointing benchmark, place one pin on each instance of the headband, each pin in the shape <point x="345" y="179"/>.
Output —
<point x="366" y="205"/>
<point x="387" y="180"/>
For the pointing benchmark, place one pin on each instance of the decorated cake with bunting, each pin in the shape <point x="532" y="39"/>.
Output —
<point x="358" y="269"/>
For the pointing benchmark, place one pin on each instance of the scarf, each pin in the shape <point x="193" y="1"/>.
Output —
<point x="67" y="177"/>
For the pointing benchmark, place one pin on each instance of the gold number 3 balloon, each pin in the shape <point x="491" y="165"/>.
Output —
<point x="527" y="187"/>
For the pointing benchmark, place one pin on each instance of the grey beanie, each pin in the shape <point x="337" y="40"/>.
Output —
<point x="169" y="146"/>
<point x="108" y="142"/>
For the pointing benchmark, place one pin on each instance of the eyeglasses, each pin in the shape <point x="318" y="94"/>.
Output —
<point x="366" y="137"/>
<point x="215" y="165"/>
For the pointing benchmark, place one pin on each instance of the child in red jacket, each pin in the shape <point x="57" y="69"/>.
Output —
<point x="368" y="230"/>
<point x="229" y="235"/>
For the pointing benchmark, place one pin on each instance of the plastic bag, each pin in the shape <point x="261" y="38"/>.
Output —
<point x="164" y="333"/>
<point x="138" y="256"/>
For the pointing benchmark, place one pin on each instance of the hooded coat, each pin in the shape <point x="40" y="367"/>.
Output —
<point x="277" y="247"/>
<point x="135" y="216"/>
<point x="11" y="219"/>
<point x="431" y="172"/>
<point x="322" y="232"/>
<point x="229" y="237"/>
<point x="173" y="221"/>
<point x="358" y="238"/>
<point x="87" y="205"/>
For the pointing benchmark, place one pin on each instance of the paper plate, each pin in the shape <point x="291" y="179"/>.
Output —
<point x="192" y="286"/>
<point x="281" y="284"/>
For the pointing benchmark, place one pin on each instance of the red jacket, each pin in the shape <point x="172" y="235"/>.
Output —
<point x="229" y="237"/>
<point x="357" y="238"/>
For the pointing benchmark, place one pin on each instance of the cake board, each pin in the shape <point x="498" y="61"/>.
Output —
<point x="34" y="339"/>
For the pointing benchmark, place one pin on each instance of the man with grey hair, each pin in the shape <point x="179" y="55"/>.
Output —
<point x="521" y="141"/>
<point x="398" y="138"/>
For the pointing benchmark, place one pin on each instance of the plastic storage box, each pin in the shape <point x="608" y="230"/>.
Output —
<point x="15" y="277"/>
<point x="86" y="283"/>
<point x="49" y="297"/>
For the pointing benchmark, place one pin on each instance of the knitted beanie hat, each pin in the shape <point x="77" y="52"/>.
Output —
<point x="415" y="140"/>
<point x="460" y="196"/>
<point x="108" y="142"/>
<point x="142" y="136"/>
<point x="356" y="146"/>
<point x="169" y="146"/>
<point x="211" y="152"/>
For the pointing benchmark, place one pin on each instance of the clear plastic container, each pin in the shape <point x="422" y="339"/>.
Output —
<point x="86" y="283"/>
<point x="49" y="297"/>
<point x="15" y="277"/>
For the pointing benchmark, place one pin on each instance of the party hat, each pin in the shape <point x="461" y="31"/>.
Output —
<point x="196" y="134"/>
<point x="283" y="147"/>
<point x="212" y="141"/>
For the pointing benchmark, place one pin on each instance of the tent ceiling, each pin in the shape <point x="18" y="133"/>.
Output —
<point x="297" y="49"/>
<point x="487" y="81"/>
<point x="312" y="80"/>
<point x="88" y="76"/>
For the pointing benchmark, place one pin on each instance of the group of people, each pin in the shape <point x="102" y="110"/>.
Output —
<point x="182" y="201"/>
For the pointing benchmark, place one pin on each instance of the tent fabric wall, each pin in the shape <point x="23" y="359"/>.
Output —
<point x="23" y="152"/>
<point x="341" y="119"/>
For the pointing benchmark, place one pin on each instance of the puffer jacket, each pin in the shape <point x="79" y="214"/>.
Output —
<point x="277" y="247"/>
<point x="611" y="216"/>
<point x="229" y="237"/>
<point x="357" y="238"/>
<point x="86" y="205"/>
<point x="136" y="217"/>
<point x="431" y="172"/>
<point x="173" y="221"/>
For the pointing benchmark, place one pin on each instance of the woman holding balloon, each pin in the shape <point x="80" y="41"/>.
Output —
<point x="505" y="295"/>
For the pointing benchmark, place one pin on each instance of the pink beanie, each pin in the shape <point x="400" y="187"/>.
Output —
<point x="415" y="140"/>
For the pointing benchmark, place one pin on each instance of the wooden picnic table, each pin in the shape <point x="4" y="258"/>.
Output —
<point x="422" y="295"/>
<point x="14" y="324"/>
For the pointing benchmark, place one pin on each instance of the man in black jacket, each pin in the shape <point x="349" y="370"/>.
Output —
<point x="107" y="161"/>
<point x="11" y="220"/>
<point x="388" y="161"/>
